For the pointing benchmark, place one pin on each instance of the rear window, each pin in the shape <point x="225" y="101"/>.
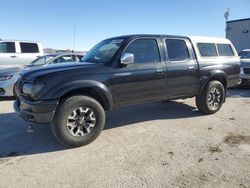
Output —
<point x="225" y="50"/>
<point x="29" y="47"/>
<point x="7" y="47"/>
<point x="177" y="50"/>
<point x="207" y="49"/>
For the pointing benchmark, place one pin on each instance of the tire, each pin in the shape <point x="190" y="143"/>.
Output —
<point x="78" y="121"/>
<point x="210" y="101"/>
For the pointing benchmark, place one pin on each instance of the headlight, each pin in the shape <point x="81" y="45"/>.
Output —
<point x="3" y="78"/>
<point x="32" y="89"/>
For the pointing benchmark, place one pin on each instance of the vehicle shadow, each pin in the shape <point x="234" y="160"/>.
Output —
<point x="17" y="138"/>
<point x="7" y="98"/>
<point x="148" y="112"/>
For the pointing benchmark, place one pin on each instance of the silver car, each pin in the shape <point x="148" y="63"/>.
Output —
<point x="8" y="76"/>
<point x="245" y="67"/>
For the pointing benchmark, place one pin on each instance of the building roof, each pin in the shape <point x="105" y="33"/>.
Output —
<point x="238" y="20"/>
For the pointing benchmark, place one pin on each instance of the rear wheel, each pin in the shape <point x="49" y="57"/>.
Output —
<point x="78" y="121"/>
<point x="212" y="97"/>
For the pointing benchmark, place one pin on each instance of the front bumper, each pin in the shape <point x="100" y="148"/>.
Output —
<point x="245" y="74"/>
<point x="36" y="111"/>
<point x="245" y="82"/>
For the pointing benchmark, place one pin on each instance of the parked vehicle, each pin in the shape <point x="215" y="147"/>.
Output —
<point x="57" y="58"/>
<point x="123" y="71"/>
<point x="18" y="53"/>
<point x="8" y="76"/>
<point x="245" y="67"/>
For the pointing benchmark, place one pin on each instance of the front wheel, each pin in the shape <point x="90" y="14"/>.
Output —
<point x="78" y="121"/>
<point x="212" y="97"/>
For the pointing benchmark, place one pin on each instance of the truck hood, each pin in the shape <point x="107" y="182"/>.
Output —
<point x="32" y="73"/>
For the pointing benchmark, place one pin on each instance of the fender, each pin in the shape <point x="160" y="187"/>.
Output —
<point x="213" y="75"/>
<point x="102" y="90"/>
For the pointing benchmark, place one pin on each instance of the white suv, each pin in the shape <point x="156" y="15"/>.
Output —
<point x="17" y="53"/>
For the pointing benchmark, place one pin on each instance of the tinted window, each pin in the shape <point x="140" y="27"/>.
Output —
<point x="177" y="50"/>
<point x="207" y="49"/>
<point x="144" y="50"/>
<point x="29" y="47"/>
<point x="225" y="50"/>
<point x="7" y="47"/>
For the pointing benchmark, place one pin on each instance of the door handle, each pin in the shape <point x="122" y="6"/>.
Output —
<point x="13" y="56"/>
<point x="190" y="68"/>
<point x="159" y="71"/>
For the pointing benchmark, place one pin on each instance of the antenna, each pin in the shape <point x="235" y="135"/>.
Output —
<point x="226" y="14"/>
<point x="74" y="38"/>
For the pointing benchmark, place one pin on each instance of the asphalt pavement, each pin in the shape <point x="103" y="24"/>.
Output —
<point x="162" y="144"/>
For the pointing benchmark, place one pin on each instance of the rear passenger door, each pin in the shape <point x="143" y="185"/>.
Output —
<point x="29" y="52"/>
<point x="182" y="68"/>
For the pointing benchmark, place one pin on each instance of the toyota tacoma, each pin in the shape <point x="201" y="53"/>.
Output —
<point x="122" y="71"/>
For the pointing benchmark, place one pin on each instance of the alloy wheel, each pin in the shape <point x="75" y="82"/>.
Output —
<point x="81" y="121"/>
<point x="214" y="98"/>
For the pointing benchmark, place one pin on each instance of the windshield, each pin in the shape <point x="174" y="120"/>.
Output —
<point x="103" y="52"/>
<point x="42" y="60"/>
<point x="244" y="55"/>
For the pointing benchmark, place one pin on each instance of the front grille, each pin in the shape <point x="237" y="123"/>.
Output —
<point x="247" y="70"/>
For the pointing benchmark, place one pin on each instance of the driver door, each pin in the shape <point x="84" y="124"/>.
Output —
<point x="143" y="80"/>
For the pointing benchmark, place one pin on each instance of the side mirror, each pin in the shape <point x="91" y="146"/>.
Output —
<point x="127" y="58"/>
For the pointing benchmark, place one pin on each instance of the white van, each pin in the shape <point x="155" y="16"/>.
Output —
<point x="18" y="53"/>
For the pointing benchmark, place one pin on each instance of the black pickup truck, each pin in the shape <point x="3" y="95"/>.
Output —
<point x="122" y="71"/>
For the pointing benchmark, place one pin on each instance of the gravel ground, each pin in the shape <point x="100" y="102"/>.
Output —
<point x="164" y="144"/>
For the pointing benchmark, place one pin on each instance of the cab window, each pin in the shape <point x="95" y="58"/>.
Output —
<point x="177" y="50"/>
<point x="144" y="50"/>
<point x="29" y="47"/>
<point x="7" y="47"/>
